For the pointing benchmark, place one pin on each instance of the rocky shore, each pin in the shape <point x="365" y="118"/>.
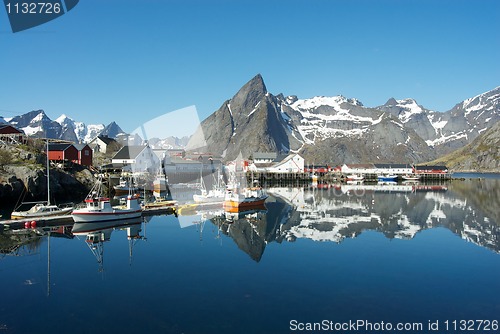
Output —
<point x="23" y="178"/>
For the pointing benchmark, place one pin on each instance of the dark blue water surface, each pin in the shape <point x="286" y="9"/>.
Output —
<point x="406" y="254"/>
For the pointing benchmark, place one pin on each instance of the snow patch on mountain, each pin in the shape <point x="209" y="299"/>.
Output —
<point x="318" y="101"/>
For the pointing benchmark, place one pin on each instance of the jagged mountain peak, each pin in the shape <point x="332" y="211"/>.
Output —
<point x="391" y="102"/>
<point x="64" y="119"/>
<point x="112" y="130"/>
<point x="248" y="96"/>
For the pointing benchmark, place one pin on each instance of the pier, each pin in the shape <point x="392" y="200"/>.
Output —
<point x="15" y="224"/>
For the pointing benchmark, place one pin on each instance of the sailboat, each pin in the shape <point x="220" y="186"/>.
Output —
<point x="43" y="209"/>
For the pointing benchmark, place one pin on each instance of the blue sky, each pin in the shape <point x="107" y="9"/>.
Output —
<point x="132" y="61"/>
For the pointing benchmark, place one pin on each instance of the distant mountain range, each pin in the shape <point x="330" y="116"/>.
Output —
<point x="322" y="129"/>
<point x="37" y="124"/>
<point x="339" y="129"/>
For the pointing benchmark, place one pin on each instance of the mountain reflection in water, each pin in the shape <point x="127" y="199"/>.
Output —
<point x="309" y="254"/>
<point x="467" y="208"/>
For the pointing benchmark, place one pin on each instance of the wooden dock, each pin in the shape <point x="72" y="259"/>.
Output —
<point x="15" y="224"/>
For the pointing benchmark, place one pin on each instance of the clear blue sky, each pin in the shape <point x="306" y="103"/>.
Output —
<point x="132" y="61"/>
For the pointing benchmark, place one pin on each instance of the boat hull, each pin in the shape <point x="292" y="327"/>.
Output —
<point x="247" y="204"/>
<point x="96" y="216"/>
<point x="29" y="215"/>
<point x="388" y="178"/>
<point x="207" y="199"/>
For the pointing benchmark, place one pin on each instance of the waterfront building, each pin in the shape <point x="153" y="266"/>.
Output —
<point x="139" y="158"/>
<point x="293" y="163"/>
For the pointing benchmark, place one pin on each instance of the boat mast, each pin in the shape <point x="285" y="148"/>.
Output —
<point x="48" y="172"/>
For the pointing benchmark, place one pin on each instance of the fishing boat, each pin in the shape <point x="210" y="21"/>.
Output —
<point x="387" y="178"/>
<point x="42" y="209"/>
<point x="98" y="208"/>
<point x="237" y="199"/>
<point x="125" y="186"/>
<point x="411" y="177"/>
<point x="216" y="194"/>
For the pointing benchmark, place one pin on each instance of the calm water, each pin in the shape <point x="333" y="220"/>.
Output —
<point x="392" y="254"/>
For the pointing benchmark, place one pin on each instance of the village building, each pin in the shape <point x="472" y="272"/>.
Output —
<point x="11" y="135"/>
<point x="431" y="169"/>
<point x="264" y="157"/>
<point x="138" y="158"/>
<point x="293" y="163"/>
<point x="63" y="152"/>
<point x="85" y="154"/>
<point x="358" y="169"/>
<point x="105" y="145"/>
<point x="394" y="169"/>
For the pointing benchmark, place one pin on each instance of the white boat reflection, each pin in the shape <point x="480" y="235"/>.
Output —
<point x="97" y="233"/>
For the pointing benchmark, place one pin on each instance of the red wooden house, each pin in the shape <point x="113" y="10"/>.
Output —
<point x="85" y="154"/>
<point x="63" y="152"/>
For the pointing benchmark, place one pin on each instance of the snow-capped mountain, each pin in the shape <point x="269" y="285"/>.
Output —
<point x="446" y="131"/>
<point x="36" y="123"/>
<point x="339" y="129"/>
<point x="78" y="131"/>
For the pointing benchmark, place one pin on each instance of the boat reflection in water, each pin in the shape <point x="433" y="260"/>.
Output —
<point x="97" y="233"/>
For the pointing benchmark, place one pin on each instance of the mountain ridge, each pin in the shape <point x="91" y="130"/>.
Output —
<point x="340" y="129"/>
<point x="36" y="123"/>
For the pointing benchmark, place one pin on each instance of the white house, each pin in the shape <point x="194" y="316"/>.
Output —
<point x="140" y="158"/>
<point x="104" y="144"/>
<point x="293" y="163"/>
<point x="396" y="169"/>
<point x="358" y="169"/>
<point x="264" y="157"/>
<point x="379" y="169"/>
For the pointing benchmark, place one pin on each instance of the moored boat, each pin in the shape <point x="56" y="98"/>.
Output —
<point x="246" y="198"/>
<point x="387" y="178"/>
<point x="161" y="203"/>
<point x="43" y="209"/>
<point x="125" y="186"/>
<point x="216" y="194"/>
<point x="411" y="177"/>
<point x="98" y="208"/>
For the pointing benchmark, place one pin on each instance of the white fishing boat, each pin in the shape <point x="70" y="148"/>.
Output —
<point x="42" y="209"/>
<point x="216" y="194"/>
<point x="411" y="177"/>
<point x="98" y="208"/>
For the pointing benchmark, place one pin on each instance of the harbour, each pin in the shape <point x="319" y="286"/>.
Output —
<point x="363" y="247"/>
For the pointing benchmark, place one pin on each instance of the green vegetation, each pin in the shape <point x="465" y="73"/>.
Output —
<point x="5" y="157"/>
